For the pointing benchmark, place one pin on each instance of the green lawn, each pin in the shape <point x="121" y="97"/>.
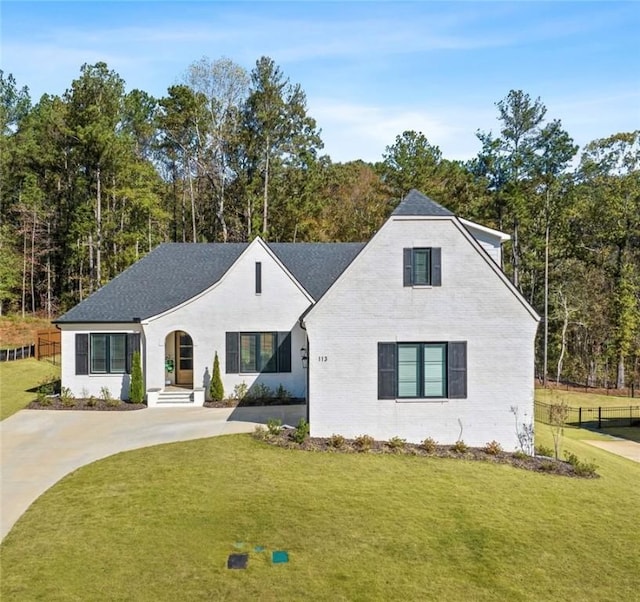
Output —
<point x="577" y="399"/>
<point x="15" y="380"/>
<point x="159" y="523"/>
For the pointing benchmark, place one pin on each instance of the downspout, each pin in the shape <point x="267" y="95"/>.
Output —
<point x="301" y="322"/>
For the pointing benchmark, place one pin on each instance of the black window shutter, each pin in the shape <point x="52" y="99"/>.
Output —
<point x="232" y="363"/>
<point x="133" y="345"/>
<point x="82" y="353"/>
<point x="436" y="267"/>
<point x="386" y="370"/>
<point x="457" y="370"/>
<point x="284" y="352"/>
<point x="407" y="265"/>
<point x="258" y="277"/>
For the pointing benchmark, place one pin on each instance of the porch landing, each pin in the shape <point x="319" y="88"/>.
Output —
<point x="175" y="397"/>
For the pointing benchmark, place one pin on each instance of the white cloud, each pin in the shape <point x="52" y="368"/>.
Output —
<point x="362" y="131"/>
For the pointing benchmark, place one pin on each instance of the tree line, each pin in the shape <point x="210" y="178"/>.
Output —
<point x="92" y="180"/>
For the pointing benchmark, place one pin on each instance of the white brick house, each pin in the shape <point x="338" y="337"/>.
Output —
<point x="416" y="334"/>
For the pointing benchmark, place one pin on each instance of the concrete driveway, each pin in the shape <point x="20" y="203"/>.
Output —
<point x="39" y="447"/>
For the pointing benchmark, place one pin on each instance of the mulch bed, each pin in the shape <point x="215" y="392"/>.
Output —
<point x="99" y="405"/>
<point x="541" y="464"/>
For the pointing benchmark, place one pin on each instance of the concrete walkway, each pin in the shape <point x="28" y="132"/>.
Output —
<point x="39" y="447"/>
<point x="620" y="447"/>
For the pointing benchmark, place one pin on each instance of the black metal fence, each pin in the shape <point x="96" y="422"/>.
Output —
<point x="600" y="417"/>
<point x="19" y="353"/>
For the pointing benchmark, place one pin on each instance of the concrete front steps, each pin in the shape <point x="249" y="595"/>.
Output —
<point x="175" y="398"/>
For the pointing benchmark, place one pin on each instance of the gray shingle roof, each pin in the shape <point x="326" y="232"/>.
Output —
<point x="175" y="272"/>
<point x="316" y="265"/>
<point x="416" y="203"/>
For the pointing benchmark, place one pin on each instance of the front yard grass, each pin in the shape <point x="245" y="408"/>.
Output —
<point x="16" y="378"/>
<point x="159" y="523"/>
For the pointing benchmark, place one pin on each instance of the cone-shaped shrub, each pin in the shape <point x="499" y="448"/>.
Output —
<point x="216" y="389"/>
<point x="136" y="390"/>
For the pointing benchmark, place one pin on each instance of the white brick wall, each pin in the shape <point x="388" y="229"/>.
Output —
<point x="368" y="305"/>
<point x="230" y="305"/>
<point x="91" y="384"/>
<point x="233" y="306"/>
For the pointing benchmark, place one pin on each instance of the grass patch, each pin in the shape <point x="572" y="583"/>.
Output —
<point x="16" y="331"/>
<point x="577" y="399"/>
<point x="16" y="378"/>
<point x="159" y="523"/>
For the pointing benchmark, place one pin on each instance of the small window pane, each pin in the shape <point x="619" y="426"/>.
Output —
<point x="99" y="353"/>
<point x="268" y="358"/>
<point x="117" y="353"/>
<point x="407" y="371"/>
<point x="421" y="266"/>
<point x="434" y="370"/>
<point x="248" y="355"/>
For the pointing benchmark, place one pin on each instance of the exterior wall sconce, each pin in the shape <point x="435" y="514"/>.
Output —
<point x="304" y="357"/>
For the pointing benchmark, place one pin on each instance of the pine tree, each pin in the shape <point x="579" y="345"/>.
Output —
<point x="216" y="389"/>
<point x="136" y="389"/>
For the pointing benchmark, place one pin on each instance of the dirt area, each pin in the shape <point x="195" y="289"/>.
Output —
<point x="16" y="331"/>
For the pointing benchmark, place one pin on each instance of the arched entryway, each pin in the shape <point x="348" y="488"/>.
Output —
<point x="179" y="359"/>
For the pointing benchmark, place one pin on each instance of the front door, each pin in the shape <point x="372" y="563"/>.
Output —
<point x="184" y="356"/>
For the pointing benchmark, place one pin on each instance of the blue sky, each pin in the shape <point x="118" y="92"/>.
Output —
<point x="370" y="69"/>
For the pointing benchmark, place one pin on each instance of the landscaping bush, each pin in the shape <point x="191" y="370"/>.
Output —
<point x="240" y="391"/>
<point x="429" y="445"/>
<point x="282" y="394"/>
<point x="274" y="426"/>
<point x="216" y="388"/>
<point x="493" y="448"/>
<point x="363" y="442"/>
<point x="136" y="389"/>
<point x="336" y="441"/>
<point x="301" y="432"/>
<point x="460" y="447"/>
<point x="396" y="444"/>
<point x="66" y="397"/>
<point x="582" y="469"/>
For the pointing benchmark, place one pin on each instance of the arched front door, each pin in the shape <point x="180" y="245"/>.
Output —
<point x="184" y="359"/>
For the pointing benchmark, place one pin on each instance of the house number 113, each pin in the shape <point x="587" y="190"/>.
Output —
<point x="322" y="358"/>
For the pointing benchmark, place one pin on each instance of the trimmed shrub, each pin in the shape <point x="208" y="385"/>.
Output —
<point x="282" y="394"/>
<point x="301" y="432"/>
<point x="336" y="441"/>
<point x="274" y="426"/>
<point x="493" y="448"/>
<point x="363" y="442"/>
<point x="396" y="444"/>
<point x="429" y="445"/>
<point x="460" y="447"/>
<point x="216" y="389"/>
<point x="66" y="397"/>
<point x="136" y="389"/>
